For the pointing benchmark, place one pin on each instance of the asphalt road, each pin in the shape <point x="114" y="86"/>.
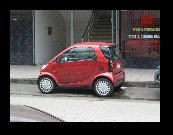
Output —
<point x="127" y="93"/>
<point x="83" y="106"/>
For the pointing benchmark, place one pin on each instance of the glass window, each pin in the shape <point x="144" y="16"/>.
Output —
<point x="77" y="54"/>
<point x="140" y="34"/>
<point x="91" y="53"/>
<point x="66" y="56"/>
<point x="115" y="53"/>
<point x="81" y="53"/>
<point x="111" y="53"/>
<point x="105" y="51"/>
<point x="84" y="53"/>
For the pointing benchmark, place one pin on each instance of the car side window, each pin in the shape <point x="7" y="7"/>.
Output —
<point x="65" y="57"/>
<point x="115" y="53"/>
<point x="91" y="53"/>
<point x="77" y="54"/>
<point x="106" y="52"/>
<point x="84" y="53"/>
<point x="81" y="53"/>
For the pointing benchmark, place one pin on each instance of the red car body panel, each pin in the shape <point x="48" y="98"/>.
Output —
<point x="85" y="72"/>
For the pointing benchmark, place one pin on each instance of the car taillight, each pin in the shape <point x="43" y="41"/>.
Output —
<point x="110" y="66"/>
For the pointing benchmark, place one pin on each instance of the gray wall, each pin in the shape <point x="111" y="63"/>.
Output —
<point x="47" y="46"/>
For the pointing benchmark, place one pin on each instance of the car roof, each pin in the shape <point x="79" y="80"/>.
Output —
<point x="95" y="43"/>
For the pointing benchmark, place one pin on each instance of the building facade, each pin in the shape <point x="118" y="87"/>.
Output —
<point x="36" y="36"/>
<point x="140" y="38"/>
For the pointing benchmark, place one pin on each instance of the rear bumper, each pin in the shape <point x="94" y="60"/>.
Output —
<point x="119" y="78"/>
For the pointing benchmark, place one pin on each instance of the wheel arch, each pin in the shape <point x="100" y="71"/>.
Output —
<point x="98" y="77"/>
<point x="46" y="75"/>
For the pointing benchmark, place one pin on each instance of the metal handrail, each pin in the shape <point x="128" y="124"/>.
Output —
<point x="90" y="26"/>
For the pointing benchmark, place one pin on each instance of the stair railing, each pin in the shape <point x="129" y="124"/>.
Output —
<point x="88" y="30"/>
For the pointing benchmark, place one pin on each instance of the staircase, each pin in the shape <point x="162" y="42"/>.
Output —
<point x="102" y="29"/>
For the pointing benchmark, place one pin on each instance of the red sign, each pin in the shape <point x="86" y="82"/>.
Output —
<point x="141" y="41"/>
<point x="147" y="46"/>
<point x="147" y="20"/>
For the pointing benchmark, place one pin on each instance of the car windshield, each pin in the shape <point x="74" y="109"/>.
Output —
<point x="111" y="53"/>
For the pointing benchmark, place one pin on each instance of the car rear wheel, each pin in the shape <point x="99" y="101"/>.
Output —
<point x="46" y="85"/>
<point x="103" y="87"/>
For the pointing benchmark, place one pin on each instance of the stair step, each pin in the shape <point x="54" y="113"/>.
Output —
<point x="101" y="37"/>
<point x="102" y="27"/>
<point x="101" y="33"/>
<point x="103" y="17"/>
<point x="102" y="23"/>
<point x="103" y="20"/>
<point x="102" y="30"/>
<point x="100" y="40"/>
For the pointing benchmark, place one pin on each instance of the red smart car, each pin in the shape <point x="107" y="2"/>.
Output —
<point x="97" y="65"/>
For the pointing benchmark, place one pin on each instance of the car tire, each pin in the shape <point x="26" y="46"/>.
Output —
<point x="103" y="87"/>
<point x="46" y="85"/>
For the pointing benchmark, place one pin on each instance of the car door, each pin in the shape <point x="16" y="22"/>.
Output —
<point x="75" y="65"/>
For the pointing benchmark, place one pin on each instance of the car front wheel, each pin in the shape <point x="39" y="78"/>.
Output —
<point x="46" y="85"/>
<point x="103" y="87"/>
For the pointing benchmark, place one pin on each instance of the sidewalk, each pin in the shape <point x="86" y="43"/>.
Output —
<point x="134" y="77"/>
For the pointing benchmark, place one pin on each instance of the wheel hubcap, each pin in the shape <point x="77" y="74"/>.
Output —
<point x="46" y="85"/>
<point x="102" y="87"/>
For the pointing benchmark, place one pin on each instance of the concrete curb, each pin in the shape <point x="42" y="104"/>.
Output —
<point x="24" y="80"/>
<point x="148" y="84"/>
